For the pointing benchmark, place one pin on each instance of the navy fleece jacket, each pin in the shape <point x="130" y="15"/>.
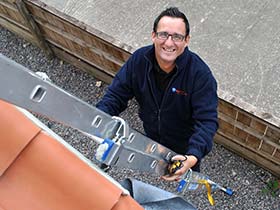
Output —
<point x="186" y="120"/>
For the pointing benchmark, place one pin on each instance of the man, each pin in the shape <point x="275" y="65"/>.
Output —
<point x="175" y="90"/>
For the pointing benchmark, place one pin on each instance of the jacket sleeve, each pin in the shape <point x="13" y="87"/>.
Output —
<point x="119" y="92"/>
<point x="204" y="102"/>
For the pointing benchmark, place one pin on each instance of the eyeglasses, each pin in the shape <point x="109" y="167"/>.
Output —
<point x="163" y="35"/>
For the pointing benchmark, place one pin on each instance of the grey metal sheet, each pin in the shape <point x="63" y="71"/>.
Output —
<point x="154" y="198"/>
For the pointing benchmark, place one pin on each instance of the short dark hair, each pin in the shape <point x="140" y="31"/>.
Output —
<point x="172" y="12"/>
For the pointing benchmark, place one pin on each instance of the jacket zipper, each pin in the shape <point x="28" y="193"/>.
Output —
<point x="163" y="99"/>
<point x="158" y="108"/>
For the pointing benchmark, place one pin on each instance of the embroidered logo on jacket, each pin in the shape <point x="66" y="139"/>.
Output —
<point x="179" y="92"/>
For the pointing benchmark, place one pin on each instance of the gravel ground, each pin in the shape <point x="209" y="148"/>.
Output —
<point x="246" y="179"/>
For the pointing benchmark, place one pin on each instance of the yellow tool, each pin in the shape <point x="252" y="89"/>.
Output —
<point x="174" y="166"/>
<point x="194" y="180"/>
<point x="208" y="188"/>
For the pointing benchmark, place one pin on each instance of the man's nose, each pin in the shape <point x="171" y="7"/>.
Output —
<point x="169" y="40"/>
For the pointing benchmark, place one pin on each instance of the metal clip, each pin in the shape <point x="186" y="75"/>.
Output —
<point x="122" y="132"/>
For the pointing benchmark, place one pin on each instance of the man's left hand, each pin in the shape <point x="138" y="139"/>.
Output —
<point x="188" y="161"/>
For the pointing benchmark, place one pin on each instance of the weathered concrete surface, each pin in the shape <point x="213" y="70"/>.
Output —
<point x="240" y="40"/>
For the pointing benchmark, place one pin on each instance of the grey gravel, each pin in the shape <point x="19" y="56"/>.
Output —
<point x="246" y="179"/>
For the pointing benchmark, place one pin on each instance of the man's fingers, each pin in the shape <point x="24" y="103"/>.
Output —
<point x="178" y="157"/>
<point x="171" y="178"/>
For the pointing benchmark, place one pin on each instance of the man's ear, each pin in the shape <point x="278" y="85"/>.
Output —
<point x="187" y="40"/>
<point x="153" y="36"/>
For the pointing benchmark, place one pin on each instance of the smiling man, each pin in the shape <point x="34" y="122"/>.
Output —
<point x="175" y="90"/>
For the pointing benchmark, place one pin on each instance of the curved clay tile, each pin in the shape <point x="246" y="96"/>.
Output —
<point x="38" y="172"/>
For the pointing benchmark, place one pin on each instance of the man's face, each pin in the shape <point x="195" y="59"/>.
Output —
<point x="168" y="50"/>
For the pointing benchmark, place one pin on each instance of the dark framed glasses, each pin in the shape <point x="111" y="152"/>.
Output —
<point x="163" y="35"/>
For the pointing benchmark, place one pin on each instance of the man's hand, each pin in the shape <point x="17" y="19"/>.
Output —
<point x="187" y="161"/>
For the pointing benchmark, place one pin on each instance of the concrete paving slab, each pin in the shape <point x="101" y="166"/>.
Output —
<point x="240" y="40"/>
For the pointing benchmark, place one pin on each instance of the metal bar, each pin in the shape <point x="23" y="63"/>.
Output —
<point x="24" y="88"/>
